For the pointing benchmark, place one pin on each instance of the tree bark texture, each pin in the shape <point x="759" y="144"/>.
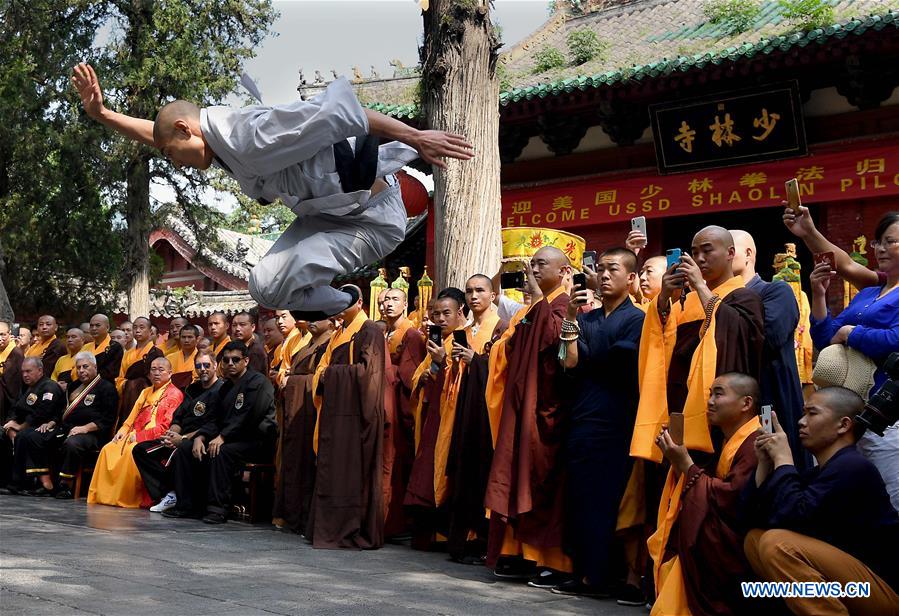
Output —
<point x="460" y="94"/>
<point x="137" y="244"/>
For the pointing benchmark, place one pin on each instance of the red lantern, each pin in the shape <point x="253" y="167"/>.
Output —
<point x="415" y="195"/>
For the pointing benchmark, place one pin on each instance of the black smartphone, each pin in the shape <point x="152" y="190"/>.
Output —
<point x="589" y="259"/>
<point x="435" y="334"/>
<point x="511" y="280"/>
<point x="15" y="329"/>
<point x="460" y="338"/>
<point x="580" y="280"/>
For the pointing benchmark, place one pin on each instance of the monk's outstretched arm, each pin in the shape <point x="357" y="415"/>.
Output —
<point x="85" y="81"/>
<point x="432" y="145"/>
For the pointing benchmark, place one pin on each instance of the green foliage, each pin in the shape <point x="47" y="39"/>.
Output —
<point x="76" y="193"/>
<point x="569" y="7"/>
<point x="502" y="75"/>
<point x="735" y="16"/>
<point x="549" y="58"/>
<point x="807" y="14"/>
<point x="584" y="45"/>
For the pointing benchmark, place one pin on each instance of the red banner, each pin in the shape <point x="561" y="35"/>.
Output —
<point x="835" y="173"/>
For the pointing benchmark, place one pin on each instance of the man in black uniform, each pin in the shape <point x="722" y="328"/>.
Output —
<point x="85" y="426"/>
<point x="153" y="457"/>
<point x="38" y="409"/>
<point x="242" y="430"/>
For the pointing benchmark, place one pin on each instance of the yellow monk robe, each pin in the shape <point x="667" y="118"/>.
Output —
<point x="92" y="347"/>
<point x="295" y="341"/>
<point x="10" y="346"/>
<point x="551" y="557"/>
<point x="39" y="348"/>
<point x="395" y="338"/>
<point x="129" y="359"/>
<point x="671" y="594"/>
<point x="340" y="337"/>
<point x="64" y="364"/>
<point x="116" y="480"/>
<point x="183" y="370"/>
<point x="657" y="345"/>
<point x="218" y="348"/>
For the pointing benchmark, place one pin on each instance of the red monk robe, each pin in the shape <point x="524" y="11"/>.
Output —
<point x="524" y="492"/>
<point x="134" y="375"/>
<point x="703" y="561"/>
<point x="347" y="508"/>
<point x="406" y="349"/>
<point x="296" y="479"/>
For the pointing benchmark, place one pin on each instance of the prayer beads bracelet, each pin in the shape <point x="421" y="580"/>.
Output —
<point x="570" y="331"/>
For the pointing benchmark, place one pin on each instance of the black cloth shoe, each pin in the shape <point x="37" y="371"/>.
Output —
<point x="579" y="589"/>
<point x="630" y="596"/>
<point x="39" y="491"/>
<point x="214" y="518"/>
<point x="178" y="513"/>
<point x="318" y="315"/>
<point x="64" y="494"/>
<point x="11" y="490"/>
<point x="548" y="579"/>
<point x="515" y="569"/>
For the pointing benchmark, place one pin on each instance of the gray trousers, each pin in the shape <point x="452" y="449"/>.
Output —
<point x="297" y="272"/>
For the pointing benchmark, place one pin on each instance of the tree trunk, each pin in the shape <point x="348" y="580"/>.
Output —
<point x="137" y="242"/>
<point x="461" y="95"/>
<point x="6" y="311"/>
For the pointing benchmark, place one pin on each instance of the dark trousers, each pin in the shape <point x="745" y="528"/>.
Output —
<point x="598" y="467"/>
<point x="35" y="452"/>
<point x="152" y="467"/>
<point x="206" y="484"/>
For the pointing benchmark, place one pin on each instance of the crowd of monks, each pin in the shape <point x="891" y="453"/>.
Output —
<point x="595" y="440"/>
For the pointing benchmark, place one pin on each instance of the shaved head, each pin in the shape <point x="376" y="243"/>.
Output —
<point x="483" y="278"/>
<point x="713" y="251"/>
<point x="550" y="267"/>
<point x="395" y="294"/>
<point x="716" y="234"/>
<point x="553" y="255"/>
<point x="744" y="254"/>
<point x="164" y="126"/>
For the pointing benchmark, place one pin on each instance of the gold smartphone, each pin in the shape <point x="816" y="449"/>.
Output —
<point x="793" y="200"/>
<point x="676" y="427"/>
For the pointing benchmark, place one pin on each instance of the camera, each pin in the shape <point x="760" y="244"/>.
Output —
<point x="882" y="408"/>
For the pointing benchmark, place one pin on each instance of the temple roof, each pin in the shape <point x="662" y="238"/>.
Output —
<point x="646" y="39"/>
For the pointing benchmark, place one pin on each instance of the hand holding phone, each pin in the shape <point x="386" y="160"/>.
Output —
<point x="435" y="334"/>
<point x="579" y="281"/>
<point x="639" y="224"/>
<point x="826" y="257"/>
<point x="793" y="200"/>
<point x="676" y="427"/>
<point x="511" y="280"/>
<point x="765" y="419"/>
<point x="589" y="260"/>
<point x="460" y="338"/>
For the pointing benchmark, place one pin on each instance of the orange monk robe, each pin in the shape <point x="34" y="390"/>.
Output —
<point x="116" y="480"/>
<point x="49" y="351"/>
<point x="288" y="349"/>
<point x="524" y="489"/>
<point x="699" y="571"/>
<point x="65" y="369"/>
<point x="183" y="370"/>
<point x="131" y="357"/>
<point x="679" y="361"/>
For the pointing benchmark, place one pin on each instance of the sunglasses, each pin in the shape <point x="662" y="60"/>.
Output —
<point x="232" y="360"/>
<point x="203" y="366"/>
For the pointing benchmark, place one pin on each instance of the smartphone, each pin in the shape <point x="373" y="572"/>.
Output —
<point x="579" y="280"/>
<point x="676" y="427"/>
<point x="793" y="201"/>
<point x="639" y="224"/>
<point x="511" y="280"/>
<point x="435" y="334"/>
<point x="672" y="256"/>
<point x="460" y="338"/>
<point x="15" y="330"/>
<point x="765" y="419"/>
<point x="589" y="260"/>
<point x="826" y="257"/>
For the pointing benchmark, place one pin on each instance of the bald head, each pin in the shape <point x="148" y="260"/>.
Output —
<point x="713" y="251"/>
<point x="99" y="327"/>
<point x="46" y="327"/>
<point x="744" y="254"/>
<point x="550" y="267"/>
<point x="164" y="126"/>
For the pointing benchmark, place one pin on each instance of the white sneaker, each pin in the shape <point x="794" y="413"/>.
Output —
<point x="168" y="501"/>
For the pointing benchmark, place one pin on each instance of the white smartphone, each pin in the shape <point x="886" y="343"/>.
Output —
<point x="639" y="224"/>
<point x="765" y="419"/>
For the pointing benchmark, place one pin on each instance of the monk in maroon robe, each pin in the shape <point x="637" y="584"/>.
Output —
<point x="525" y="489"/>
<point x="296" y="479"/>
<point x="137" y="374"/>
<point x="347" y="503"/>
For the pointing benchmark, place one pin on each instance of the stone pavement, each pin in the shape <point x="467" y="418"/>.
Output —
<point x="64" y="557"/>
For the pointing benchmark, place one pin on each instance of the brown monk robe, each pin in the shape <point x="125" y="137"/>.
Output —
<point x="273" y="343"/>
<point x="183" y="371"/>
<point x="406" y="349"/>
<point x="471" y="448"/>
<point x="134" y="375"/>
<point x="525" y="488"/>
<point x="437" y="380"/>
<point x="703" y="561"/>
<point x="11" y="357"/>
<point x="296" y="479"/>
<point x="47" y="346"/>
<point x="243" y="328"/>
<point x="347" y="508"/>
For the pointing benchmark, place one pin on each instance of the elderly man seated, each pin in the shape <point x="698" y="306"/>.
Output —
<point x="832" y="523"/>
<point x="116" y="480"/>
<point x="84" y="426"/>
<point x="35" y="413"/>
